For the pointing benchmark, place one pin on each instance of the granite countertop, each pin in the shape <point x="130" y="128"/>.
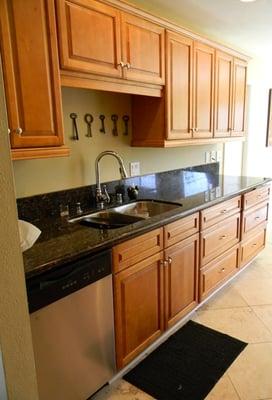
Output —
<point x="62" y="242"/>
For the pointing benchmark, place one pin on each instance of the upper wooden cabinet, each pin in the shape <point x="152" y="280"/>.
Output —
<point x="89" y="37"/>
<point x="31" y="76"/>
<point x="239" y="97"/>
<point x="179" y="85"/>
<point x="230" y="96"/>
<point x="99" y="39"/>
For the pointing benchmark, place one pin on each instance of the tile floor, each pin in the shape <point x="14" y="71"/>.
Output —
<point x="243" y="309"/>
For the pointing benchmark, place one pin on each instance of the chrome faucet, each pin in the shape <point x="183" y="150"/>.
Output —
<point x="100" y="197"/>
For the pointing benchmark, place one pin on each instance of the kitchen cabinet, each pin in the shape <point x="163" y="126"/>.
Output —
<point x="138" y="293"/>
<point x="203" y="91"/>
<point x="153" y="288"/>
<point x="31" y="77"/>
<point x="230" y="95"/>
<point x="202" y="100"/>
<point x="100" y="39"/>
<point x="181" y="279"/>
<point x="239" y="97"/>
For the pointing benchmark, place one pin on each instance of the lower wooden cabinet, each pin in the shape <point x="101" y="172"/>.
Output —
<point x="253" y="245"/>
<point x="181" y="279"/>
<point x="152" y="295"/>
<point x="214" y="274"/>
<point x="138" y="296"/>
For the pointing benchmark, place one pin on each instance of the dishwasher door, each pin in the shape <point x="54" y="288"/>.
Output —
<point x="73" y="340"/>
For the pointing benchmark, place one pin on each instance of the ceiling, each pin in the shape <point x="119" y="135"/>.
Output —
<point x="245" y="26"/>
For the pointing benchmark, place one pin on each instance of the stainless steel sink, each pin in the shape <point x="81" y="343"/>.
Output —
<point x="127" y="214"/>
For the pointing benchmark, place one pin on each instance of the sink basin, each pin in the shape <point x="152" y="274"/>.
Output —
<point x="109" y="219"/>
<point x="146" y="208"/>
<point x="127" y="214"/>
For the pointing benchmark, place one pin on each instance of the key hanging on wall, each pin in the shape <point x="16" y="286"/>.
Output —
<point x="73" y="117"/>
<point x="114" y="118"/>
<point x="102" y="119"/>
<point x="88" y="118"/>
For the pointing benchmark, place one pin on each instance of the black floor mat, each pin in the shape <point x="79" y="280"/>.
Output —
<point x="187" y="365"/>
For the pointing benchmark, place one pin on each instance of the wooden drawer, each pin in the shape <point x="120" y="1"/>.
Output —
<point x="256" y="196"/>
<point x="218" y="271"/>
<point x="181" y="229"/>
<point x="137" y="249"/>
<point x="215" y="214"/>
<point x="251" y="247"/>
<point x="219" y="238"/>
<point x="253" y="218"/>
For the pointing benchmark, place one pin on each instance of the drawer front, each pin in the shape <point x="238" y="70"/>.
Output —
<point x="215" y="214"/>
<point x="251" y="247"/>
<point x="217" y="239"/>
<point x="256" y="196"/>
<point x="216" y="272"/>
<point x="181" y="229"/>
<point x="135" y="250"/>
<point x="251" y="220"/>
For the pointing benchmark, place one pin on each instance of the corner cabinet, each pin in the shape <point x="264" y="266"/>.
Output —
<point x="98" y="39"/>
<point x="31" y="77"/>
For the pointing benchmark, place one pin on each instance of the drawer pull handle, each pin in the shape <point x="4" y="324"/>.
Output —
<point x="259" y="196"/>
<point x="168" y="235"/>
<point x="223" y="211"/>
<point x="221" y="270"/>
<point x="223" y="237"/>
<point x="258" y="217"/>
<point x="254" y="244"/>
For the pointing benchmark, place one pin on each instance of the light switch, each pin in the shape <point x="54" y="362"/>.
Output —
<point x="134" y="168"/>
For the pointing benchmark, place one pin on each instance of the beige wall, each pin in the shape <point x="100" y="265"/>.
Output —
<point x="15" y="336"/>
<point x="258" y="157"/>
<point x="40" y="176"/>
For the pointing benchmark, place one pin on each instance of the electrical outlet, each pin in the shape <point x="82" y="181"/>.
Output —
<point x="207" y="157"/>
<point x="213" y="156"/>
<point x="134" y="168"/>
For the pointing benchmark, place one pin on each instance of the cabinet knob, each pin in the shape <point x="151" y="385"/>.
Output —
<point x="127" y="65"/>
<point x="9" y="131"/>
<point x="169" y="260"/>
<point x="163" y="263"/>
<point x="196" y="129"/>
<point x="122" y="64"/>
<point x="18" y="131"/>
<point x="223" y="237"/>
<point x="223" y="211"/>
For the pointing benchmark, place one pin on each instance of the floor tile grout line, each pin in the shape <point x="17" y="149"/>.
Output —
<point x="232" y="383"/>
<point x="264" y="324"/>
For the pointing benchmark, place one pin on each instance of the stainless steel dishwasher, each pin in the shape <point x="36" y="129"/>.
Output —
<point x="71" y="313"/>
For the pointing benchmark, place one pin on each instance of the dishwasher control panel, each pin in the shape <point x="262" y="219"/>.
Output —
<point x="60" y="282"/>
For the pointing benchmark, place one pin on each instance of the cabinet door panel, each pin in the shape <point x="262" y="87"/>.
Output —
<point x="89" y="37"/>
<point x="239" y="98"/>
<point x="30" y="65"/>
<point x="179" y="52"/>
<point x="143" y="49"/>
<point x="181" y="279"/>
<point x="203" y="90"/>
<point x="138" y="308"/>
<point x="223" y="85"/>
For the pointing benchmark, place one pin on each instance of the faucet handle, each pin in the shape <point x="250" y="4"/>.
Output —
<point x="133" y="192"/>
<point x="106" y="195"/>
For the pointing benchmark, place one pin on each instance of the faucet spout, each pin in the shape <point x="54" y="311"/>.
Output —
<point x="123" y="172"/>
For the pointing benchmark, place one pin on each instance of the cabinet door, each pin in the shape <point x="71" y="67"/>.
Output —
<point x="30" y="65"/>
<point x="239" y="97"/>
<point x="89" y="36"/>
<point x="138" y="297"/>
<point x="179" y="56"/>
<point x="142" y="50"/>
<point x="181" y="279"/>
<point x="223" y="86"/>
<point x="203" y="90"/>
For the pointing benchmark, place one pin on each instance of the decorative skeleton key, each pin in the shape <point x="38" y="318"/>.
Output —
<point x="102" y="119"/>
<point x="114" y="118"/>
<point x="73" y="116"/>
<point x="126" y="119"/>
<point x="88" y="118"/>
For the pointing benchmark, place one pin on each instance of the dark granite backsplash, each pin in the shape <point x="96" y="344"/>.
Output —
<point x="36" y="208"/>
